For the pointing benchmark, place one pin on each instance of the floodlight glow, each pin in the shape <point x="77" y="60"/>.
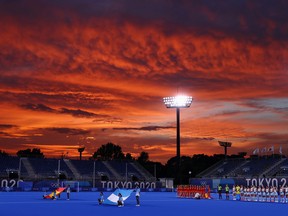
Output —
<point x="179" y="101"/>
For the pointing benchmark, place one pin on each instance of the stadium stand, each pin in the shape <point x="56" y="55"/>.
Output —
<point x="250" y="167"/>
<point x="9" y="166"/>
<point x="280" y="170"/>
<point x="38" y="168"/>
<point x="222" y="169"/>
<point x="121" y="170"/>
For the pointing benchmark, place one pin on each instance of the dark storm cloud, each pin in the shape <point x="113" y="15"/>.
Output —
<point x="69" y="131"/>
<point x="108" y="119"/>
<point x="38" y="107"/>
<point x="81" y="113"/>
<point x="271" y="136"/>
<point x="203" y="138"/>
<point x="218" y="21"/>
<point x="74" y="112"/>
<point x="6" y="126"/>
<point x="39" y="91"/>
<point x="235" y="18"/>
<point x="260" y="18"/>
<point x="270" y="139"/>
<point x="4" y="134"/>
<point x="200" y="81"/>
<point x="273" y="106"/>
<point x="232" y="113"/>
<point x="148" y="128"/>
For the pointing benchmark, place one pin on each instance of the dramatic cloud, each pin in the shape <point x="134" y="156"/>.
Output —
<point x="100" y="69"/>
<point x="148" y="128"/>
<point x="6" y="126"/>
<point x="76" y="113"/>
<point x="37" y="107"/>
<point x="69" y="131"/>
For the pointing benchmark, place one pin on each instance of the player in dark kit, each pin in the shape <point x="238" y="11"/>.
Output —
<point x="219" y="191"/>
<point x="227" y="192"/>
<point x="120" y="200"/>
<point x="101" y="198"/>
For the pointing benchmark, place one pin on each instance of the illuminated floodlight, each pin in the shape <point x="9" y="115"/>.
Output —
<point x="179" y="101"/>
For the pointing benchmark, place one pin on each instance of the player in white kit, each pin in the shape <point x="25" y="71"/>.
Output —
<point x="281" y="191"/>
<point x="267" y="191"/>
<point x="263" y="194"/>
<point x="286" y="194"/>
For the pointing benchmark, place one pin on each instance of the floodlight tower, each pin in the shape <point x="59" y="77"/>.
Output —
<point x="225" y="145"/>
<point x="178" y="102"/>
<point x="80" y="150"/>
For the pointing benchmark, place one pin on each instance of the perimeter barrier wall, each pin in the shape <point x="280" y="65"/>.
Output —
<point x="48" y="185"/>
<point x="247" y="182"/>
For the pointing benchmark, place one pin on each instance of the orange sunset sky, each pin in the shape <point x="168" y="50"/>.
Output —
<point x="84" y="73"/>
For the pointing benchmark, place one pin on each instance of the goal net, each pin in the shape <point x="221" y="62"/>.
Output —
<point x="74" y="185"/>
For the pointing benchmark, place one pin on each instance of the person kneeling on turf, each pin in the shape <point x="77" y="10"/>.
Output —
<point x="54" y="196"/>
<point x="197" y="196"/>
<point x="101" y="198"/>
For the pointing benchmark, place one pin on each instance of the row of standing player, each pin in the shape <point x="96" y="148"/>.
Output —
<point x="120" y="201"/>
<point x="253" y="193"/>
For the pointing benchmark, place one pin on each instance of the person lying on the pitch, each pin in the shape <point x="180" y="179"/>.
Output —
<point x="197" y="196"/>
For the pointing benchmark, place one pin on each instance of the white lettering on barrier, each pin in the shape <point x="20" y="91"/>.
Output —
<point x="105" y="184"/>
<point x="123" y="184"/>
<point x="4" y="181"/>
<point x="116" y="184"/>
<point x="283" y="181"/>
<point x="261" y="182"/>
<point x="268" y="181"/>
<point x="129" y="184"/>
<point x="274" y="182"/>
<point x="109" y="184"/>
<point x="142" y="185"/>
<point x="248" y="182"/>
<point x="10" y="183"/>
<point x="254" y="182"/>
<point x="18" y="182"/>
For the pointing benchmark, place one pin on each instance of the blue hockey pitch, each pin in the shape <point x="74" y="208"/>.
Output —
<point x="152" y="203"/>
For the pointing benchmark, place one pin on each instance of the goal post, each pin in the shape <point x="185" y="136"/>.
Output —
<point x="74" y="185"/>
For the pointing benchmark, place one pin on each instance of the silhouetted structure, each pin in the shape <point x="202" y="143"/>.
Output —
<point x="225" y="145"/>
<point x="80" y="150"/>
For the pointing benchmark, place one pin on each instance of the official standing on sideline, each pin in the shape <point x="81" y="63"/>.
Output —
<point x="137" y="196"/>
<point x="101" y="198"/>
<point x="227" y="191"/>
<point x="68" y="190"/>
<point x="219" y="191"/>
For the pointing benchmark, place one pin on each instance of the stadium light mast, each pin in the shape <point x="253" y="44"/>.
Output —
<point x="178" y="102"/>
<point x="225" y="145"/>
<point x="80" y="150"/>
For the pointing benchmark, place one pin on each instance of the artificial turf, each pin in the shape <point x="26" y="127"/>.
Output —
<point x="152" y="203"/>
